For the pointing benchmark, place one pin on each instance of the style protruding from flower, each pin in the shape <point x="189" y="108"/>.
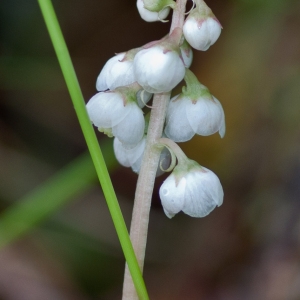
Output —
<point x="116" y="113"/>
<point x="117" y="72"/>
<point x="190" y="188"/>
<point x="151" y="16"/>
<point x="194" y="111"/>
<point x="201" y="28"/>
<point x="159" y="67"/>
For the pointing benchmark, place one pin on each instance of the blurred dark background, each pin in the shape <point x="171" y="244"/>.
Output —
<point x="249" y="248"/>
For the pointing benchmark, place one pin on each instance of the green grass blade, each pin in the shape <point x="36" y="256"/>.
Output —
<point x="92" y="143"/>
<point x="42" y="202"/>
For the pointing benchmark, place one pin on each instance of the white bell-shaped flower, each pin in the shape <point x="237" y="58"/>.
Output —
<point x="201" y="28"/>
<point x="194" y="111"/>
<point x="117" y="115"/>
<point x="151" y="16"/>
<point x="187" y="117"/>
<point x="196" y="193"/>
<point x="117" y="72"/>
<point x="159" y="68"/>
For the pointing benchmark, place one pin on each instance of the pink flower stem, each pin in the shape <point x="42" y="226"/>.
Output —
<point x="145" y="184"/>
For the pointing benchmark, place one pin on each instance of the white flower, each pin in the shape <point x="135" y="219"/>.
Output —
<point x="186" y="54"/>
<point x="151" y="16"/>
<point x="118" y="71"/>
<point x="117" y="115"/>
<point x="187" y="117"/>
<point x="201" y="31"/>
<point x="158" y="69"/>
<point x="196" y="192"/>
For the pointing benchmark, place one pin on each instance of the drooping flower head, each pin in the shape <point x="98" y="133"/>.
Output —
<point x="194" y="111"/>
<point x="117" y="72"/>
<point x="116" y="113"/>
<point x="201" y="28"/>
<point x="190" y="188"/>
<point x="159" y="67"/>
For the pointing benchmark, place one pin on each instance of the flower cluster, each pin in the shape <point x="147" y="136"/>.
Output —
<point x="127" y="82"/>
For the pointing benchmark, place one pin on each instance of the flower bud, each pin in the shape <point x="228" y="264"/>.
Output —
<point x="151" y="16"/>
<point x="158" y="68"/>
<point x="194" y="190"/>
<point x="117" y="115"/>
<point x="201" y="28"/>
<point x="118" y="71"/>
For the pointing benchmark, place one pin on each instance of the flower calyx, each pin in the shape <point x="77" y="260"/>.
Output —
<point x="158" y="5"/>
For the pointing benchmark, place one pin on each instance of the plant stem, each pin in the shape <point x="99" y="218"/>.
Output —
<point x="145" y="184"/>
<point x="69" y="74"/>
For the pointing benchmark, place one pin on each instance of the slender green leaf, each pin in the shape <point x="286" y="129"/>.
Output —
<point x="92" y="143"/>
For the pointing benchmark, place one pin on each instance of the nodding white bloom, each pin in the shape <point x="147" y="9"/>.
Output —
<point x="196" y="192"/>
<point x="132" y="156"/>
<point x="158" y="68"/>
<point x="117" y="72"/>
<point x="201" y="28"/>
<point x="194" y="111"/>
<point x="117" y="115"/>
<point x="187" y="117"/>
<point x="151" y="16"/>
<point x="186" y="54"/>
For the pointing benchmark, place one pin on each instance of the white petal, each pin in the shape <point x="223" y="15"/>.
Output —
<point x="202" y="194"/>
<point x="101" y="84"/>
<point x="172" y="196"/>
<point x="178" y="127"/>
<point x="214" y="186"/>
<point x="222" y="129"/>
<point x="187" y="56"/>
<point x="120" y="74"/>
<point x="102" y="106"/>
<point x="158" y="71"/>
<point x="129" y="157"/>
<point x="201" y="32"/>
<point x="205" y="116"/>
<point x="197" y="202"/>
<point x="130" y="129"/>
